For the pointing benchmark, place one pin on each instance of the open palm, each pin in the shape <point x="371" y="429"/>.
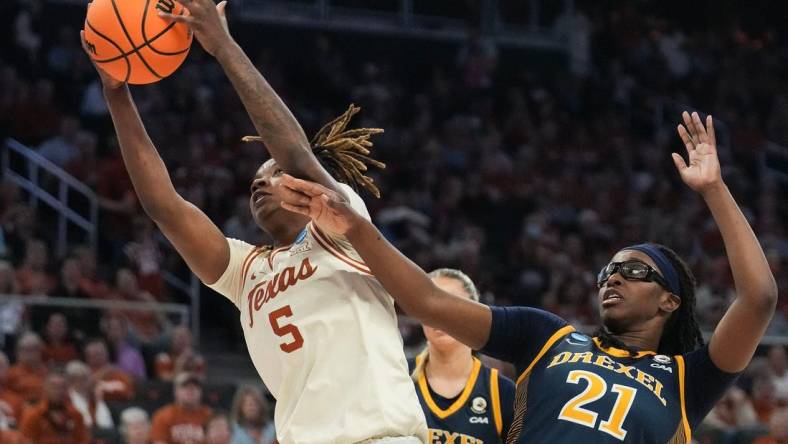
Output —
<point x="703" y="170"/>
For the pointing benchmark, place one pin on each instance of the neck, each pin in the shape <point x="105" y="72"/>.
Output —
<point x="285" y="234"/>
<point x="455" y="363"/>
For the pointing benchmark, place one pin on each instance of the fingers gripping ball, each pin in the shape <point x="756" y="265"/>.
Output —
<point x="130" y="42"/>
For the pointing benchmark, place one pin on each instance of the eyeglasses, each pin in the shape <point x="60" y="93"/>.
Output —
<point x="631" y="271"/>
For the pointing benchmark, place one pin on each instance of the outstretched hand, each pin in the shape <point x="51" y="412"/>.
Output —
<point x="703" y="171"/>
<point x="208" y="22"/>
<point x="107" y="81"/>
<point x="327" y="208"/>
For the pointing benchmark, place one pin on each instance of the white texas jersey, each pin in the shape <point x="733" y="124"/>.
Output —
<point x="322" y="333"/>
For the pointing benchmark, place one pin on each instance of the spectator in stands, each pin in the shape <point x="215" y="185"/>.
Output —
<point x="763" y="398"/>
<point x="778" y="429"/>
<point x="114" y="383"/>
<point x="33" y="276"/>
<point x="27" y="376"/>
<point x="144" y="253"/>
<point x="184" y="420"/>
<point x="54" y="420"/>
<point x="87" y="397"/>
<point x="218" y="431"/>
<point x="135" y="426"/>
<point x="127" y="357"/>
<point x="251" y="424"/>
<point x="11" y="313"/>
<point x="71" y="280"/>
<point x="72" y="285"/>
<point x="734" y="411"/>
<point x="62" y="149"/>
<point x="11" y="403"/>
<point x="778" y="366"/>
<point x="147" y="326"/>
<point x="58" y="349"/>
<point x="181" y="356"/>
<point x="89" y="282"/>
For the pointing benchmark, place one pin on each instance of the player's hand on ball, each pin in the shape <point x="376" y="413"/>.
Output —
<point x="703" y="171"/>
<point x="329" y="210"/>
<point x="108" y="82"/>
<point x="208" y="22"/>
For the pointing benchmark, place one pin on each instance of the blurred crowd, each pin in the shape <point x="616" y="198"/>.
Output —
<point x="525" y="169"/>
<point x="103" y="390"/>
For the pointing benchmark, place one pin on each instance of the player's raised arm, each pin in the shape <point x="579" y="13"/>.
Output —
<point x="738" y="333"/>
<point x="197" y="239"/>
<point x="466" y="320"/>
<point x="278" y="128"/>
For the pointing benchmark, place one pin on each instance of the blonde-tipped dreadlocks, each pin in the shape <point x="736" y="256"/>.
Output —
<point x="344" y="153"/>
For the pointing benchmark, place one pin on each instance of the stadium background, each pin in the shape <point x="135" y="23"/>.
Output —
<point x="525" y="141"/>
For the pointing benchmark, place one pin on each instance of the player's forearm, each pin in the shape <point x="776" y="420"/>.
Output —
<point x="282" y="134"/>
<point x="414" y="291"/>
<point x="751" y="273"/>
<point x="146" y="169"/>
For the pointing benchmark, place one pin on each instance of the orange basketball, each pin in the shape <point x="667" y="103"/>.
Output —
<point x="128" y="39"/>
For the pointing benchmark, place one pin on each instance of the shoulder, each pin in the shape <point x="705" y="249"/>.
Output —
<point x="33" y="413"/>
<point x="165" y="413"/>
<point x="355" y="200"/>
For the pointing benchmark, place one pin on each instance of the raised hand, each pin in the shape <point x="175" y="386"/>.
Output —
<point x="107" y="81"/>
<point x="327" y="209"/>
<point x="208" y="22"/>
<point x="703" y="171"/>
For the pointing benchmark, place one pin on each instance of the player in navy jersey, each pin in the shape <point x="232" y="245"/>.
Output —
<point x="463" y="400"/>
<point x="646" y="377"/>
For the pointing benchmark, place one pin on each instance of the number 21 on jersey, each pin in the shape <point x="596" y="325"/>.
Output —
<point x="286" y="330"/>
<point x="595" y="389"/>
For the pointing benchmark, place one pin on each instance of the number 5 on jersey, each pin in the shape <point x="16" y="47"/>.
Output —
<point x="286" y="329"/>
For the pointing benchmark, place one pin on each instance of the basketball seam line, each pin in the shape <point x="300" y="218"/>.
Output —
<point x="145" y="36"/>
<point x="136" y="49"/>
<point x="128" y="37"/>
<point x="133" y="50"/>
<point x="112" y="42"/>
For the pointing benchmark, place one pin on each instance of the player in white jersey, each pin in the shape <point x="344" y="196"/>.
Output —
<point x="320" y="329"/>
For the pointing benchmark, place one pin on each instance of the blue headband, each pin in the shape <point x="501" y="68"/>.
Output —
<point x="664" y="264"/>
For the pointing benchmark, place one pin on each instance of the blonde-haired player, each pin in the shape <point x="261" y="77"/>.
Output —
<point x="320" y="329"/>
<point x="463" y="400"/>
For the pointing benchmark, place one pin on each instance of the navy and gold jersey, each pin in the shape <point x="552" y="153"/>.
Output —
<point x="571" y="389"/>
<point x="481" y="414"/>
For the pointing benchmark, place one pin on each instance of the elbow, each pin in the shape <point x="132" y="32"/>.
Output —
<point x="765" y="295"/>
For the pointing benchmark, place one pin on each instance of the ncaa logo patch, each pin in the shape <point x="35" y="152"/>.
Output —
<point x="662" y="359"/>
<point x="479" y="405"/>
<point x="576" y="338"/>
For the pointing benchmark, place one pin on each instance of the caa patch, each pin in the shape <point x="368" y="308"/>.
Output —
<point x="577" y="339"/>
<point x="479" y="405"/>
<point x="662" y="359"/>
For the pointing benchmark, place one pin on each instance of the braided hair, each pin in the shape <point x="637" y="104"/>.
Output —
<point x="344" y="153"/>
<point x="681" y="333"/>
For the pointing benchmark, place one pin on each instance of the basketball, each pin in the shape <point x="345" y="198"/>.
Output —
<point x="129" y="41"/>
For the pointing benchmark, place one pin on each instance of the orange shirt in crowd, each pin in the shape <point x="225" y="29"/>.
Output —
<point x="117" y="385"/>
<point x="11" y="406"/>
<point x="33" y="281"/>
<point x="766" y="440"/>
<point x="26" y="381"/>
<point x="60" y="354"/>
<point x="10" y="437"/>
<point x="173" y="424"/>
<point x="164" y="366"/>
<point x="44" y="426"/>
<point x="145" y="324"/>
